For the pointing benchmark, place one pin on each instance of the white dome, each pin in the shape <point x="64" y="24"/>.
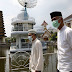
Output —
<point x="22" y="16"/>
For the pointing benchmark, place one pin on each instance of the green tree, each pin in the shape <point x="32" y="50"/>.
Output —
<point x="13" y="39"/>
<point x="53" y="37"/>
<point x="10" y="39"/>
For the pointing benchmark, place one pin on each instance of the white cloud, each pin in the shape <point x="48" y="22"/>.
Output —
<point x="41" y="12"/>
<point x="8" y="26"/>
<point x="15" y="2"/>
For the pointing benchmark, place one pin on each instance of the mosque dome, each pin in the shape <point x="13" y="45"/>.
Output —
<point x="23" y="15"/>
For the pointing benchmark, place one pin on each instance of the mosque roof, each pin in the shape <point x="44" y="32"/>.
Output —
<point x="44" y="23"/>
<point x="23" y="17"/>
<point x="70" y="16"/>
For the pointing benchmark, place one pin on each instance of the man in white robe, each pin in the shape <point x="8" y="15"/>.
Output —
<point x="64" y="43"/>
<point x="36" y="57"/>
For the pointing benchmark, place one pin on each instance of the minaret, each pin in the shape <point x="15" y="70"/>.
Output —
<point x="2" y="29"/>
<point x="47" y="34"/>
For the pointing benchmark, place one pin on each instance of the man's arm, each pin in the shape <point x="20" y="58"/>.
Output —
<point x="69" y="38"/>
<point x="40" y="57"/>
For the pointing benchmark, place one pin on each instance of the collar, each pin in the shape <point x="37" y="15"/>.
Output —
<point x="34" y="40"/>
<point x="63" y="28"/>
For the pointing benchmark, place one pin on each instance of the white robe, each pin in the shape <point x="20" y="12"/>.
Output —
<point x="65" y="49"/>
<point x="36" y="58"/>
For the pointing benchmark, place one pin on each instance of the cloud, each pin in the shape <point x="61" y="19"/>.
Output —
<point x="14" y="2"/>
<point x="40" y="12"/>
<point x="7" y="24"/>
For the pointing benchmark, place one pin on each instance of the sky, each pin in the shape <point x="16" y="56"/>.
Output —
<point x="41" y="12"/>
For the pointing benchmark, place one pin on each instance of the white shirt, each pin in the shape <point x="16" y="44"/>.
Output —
<point x="36" y="58"/>
<point x="65" y="49"/>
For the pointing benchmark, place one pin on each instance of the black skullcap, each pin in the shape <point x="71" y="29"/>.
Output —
<point x="56" y="13"/>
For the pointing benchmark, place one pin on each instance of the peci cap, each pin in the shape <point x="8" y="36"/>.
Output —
<point x="56" y="13"/>
<point x="32" y="31"/>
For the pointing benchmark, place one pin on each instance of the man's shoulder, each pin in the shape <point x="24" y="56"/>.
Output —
<point x="38" y="41"/>
<point x="68" y="30"/>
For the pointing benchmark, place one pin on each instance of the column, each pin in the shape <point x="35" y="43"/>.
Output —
<point x="23" y="27"/>
<point x="19" y="42"/>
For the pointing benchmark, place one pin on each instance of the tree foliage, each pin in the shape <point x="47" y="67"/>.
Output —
<point x="10" y="39"/>
<point x="53" y="37"/>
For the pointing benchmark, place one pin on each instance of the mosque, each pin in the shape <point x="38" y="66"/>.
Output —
<point x="21" y="24"/>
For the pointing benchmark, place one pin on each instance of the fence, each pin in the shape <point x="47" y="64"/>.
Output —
<point x="50" y="62"/>
<point x="20" y="62"/>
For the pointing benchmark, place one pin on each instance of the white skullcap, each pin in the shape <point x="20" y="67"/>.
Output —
<point x="32" y="31"/>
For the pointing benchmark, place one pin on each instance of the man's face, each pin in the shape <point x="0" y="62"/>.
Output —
<point x="56" y="21"/>
<point x="30" y="34"/>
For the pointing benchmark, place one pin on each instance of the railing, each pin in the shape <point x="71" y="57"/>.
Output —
<point x="29" y="45"/>
<point x="19" y="61"/>
<point x="26" y="45"/>
<point x="16" y="19"/>
<point x="50" y="62"/>
<point x="17" y="29"/>
<point x="21" y="28"/>
<point x="16" y="62"/>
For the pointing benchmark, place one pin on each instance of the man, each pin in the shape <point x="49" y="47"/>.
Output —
<point x="36" y="58"/>
<point x="64" y="43"/>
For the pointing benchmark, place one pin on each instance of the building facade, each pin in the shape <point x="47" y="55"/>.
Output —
<point x="68" y="21"/>
<point x="2" y="29"/>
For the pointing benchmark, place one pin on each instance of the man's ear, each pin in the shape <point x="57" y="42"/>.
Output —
<point x="61" y="18"/>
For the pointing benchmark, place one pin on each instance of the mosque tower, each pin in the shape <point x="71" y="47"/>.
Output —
<point x="21" y="24"/>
